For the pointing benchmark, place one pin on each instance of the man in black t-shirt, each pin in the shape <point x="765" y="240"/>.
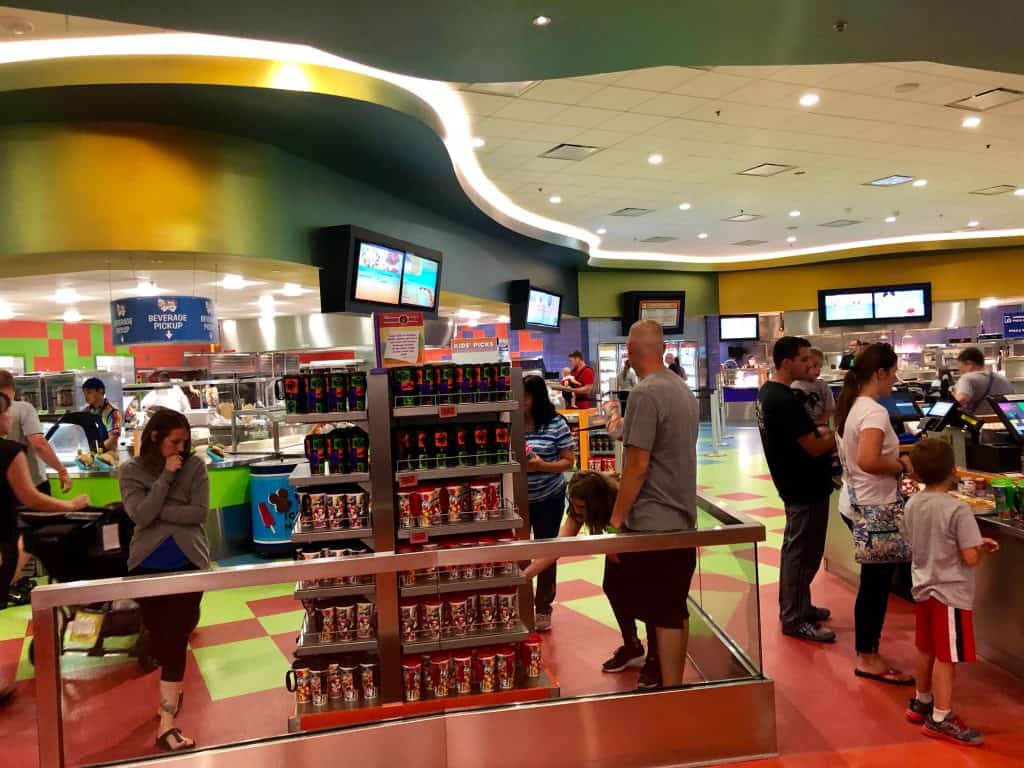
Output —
<point x="798" y="455"/>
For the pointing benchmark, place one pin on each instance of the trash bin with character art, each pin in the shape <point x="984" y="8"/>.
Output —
<point x="274" y="504"/>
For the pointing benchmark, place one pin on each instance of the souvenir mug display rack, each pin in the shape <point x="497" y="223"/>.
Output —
<point x="420" y="492"/>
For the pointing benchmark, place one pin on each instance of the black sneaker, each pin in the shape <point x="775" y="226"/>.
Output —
<point x="625" y="656"/>
<point x="952" y="729"/>
<point x="650" y="675"/>
<point x="812" y="632"/>
<point x="818" y="615"/>
<point x="918" y="711"/>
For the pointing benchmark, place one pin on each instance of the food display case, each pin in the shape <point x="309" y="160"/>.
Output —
<point x="32" y="389"/>
<point x="62" y="392"/>
<point x="612" y="356"/>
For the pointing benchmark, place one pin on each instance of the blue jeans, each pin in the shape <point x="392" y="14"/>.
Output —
<point x="545" y="520"/>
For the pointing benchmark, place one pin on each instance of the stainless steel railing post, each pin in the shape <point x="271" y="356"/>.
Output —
<point x="48" y="687"/>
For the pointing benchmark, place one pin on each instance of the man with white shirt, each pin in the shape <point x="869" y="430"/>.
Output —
<point x="170" y="397"/>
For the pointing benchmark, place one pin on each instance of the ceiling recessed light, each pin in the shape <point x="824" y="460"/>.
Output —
<point x="292" y="289"/>
<point x="906" y="87"/>
<point x="890" y="181"/>
<point x="703" y="235"/>
<point x="744" y="217"/>
<point x="555" y="199"/>
<point x="146" y="288"/>
<point x="602" y="231"/>
<point x="655" y="159"/>
<point x="72" y="315"/>
<point x="794" y="214"/>
<point x="971" y="121"/>
<point x="478" y="142"/>
<point x="684" y="206"/>
<point x="809" y="99"/>
<point x="541" y="21"/>
<point x="1019" y="192"/>
<point x="66" y="296"/>
<point x="890" y="219"/>
<point x="973" y="223"/>
<point x="791" y="239"/>
<point x="920" y="183"/>
<point x="232" y="283"/>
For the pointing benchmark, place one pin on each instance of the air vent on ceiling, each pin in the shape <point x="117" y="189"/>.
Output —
<point x="500" y="89"/>
<point x="658" y="239"/>
<point x="744" y="217"/>
<point x="750" y="243"/>
<point x="766" y="169"/>
<point x="889" y="181"/>
<point x="840" y="223"/>
<point x="632" y="212"/>
<point x="574" y="152"/>
<point x="999" y="189"/>
<point x="986" y="100"/>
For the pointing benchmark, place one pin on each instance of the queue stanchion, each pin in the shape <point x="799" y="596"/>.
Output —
<point x="716" y="424"/>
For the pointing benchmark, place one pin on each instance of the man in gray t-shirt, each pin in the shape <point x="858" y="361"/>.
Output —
<point x="975" y="383"/>
<point x="658" y="492"/>
<point x="28" y="430"/>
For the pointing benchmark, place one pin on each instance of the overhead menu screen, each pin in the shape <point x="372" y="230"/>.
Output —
<point x="849" y="307"/>
<point x="378" y="274"/>
<point x="419" y="281"/>
<point x="544" y="309"/>
<point x="898" y="305"/>
<point x="737" y="328"/>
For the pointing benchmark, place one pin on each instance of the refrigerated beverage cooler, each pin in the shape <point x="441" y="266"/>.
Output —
<point x="612" y="356"/>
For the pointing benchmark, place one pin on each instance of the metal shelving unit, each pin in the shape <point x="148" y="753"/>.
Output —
<point x="448" y="473"/>
<point x="350" y="417"/>
<point x="442" y="586"/>
<point x="320" y="537"/>
<point x="456" y="409"/>
<point x="337" y="590"/>
<point x="501" y="636"/>
<point x="506" y="523"/>
<point x="302" y="478"/>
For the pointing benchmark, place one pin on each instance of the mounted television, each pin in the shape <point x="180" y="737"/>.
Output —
<point x="534" y="308"/>
<point x="737" y="328"/>
<point x="364" y="272"/>
<point x="666" y="308"/>
<point x="878" y="304"/>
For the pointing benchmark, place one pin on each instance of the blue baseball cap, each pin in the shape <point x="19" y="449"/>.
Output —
<point x="95" y="383"/>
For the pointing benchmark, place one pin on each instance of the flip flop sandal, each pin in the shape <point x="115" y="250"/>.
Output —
<point x="164" y="741"/>
<point x="889" y="677"/>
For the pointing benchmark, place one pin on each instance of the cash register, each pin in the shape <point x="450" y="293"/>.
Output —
<point x="940" y="415"/>
<point x="902" y="410"/>
<point x="997" y="450"/>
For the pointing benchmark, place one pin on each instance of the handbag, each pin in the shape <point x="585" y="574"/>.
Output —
<point x="878" y="531"/>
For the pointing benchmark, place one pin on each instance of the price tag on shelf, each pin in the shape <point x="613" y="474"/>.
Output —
<point x="447" y="411"/>
<point x="407" y="481"/>
<point x="418" y="537"/>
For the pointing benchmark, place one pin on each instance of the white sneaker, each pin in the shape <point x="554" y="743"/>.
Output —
<point x="542" y="622"/>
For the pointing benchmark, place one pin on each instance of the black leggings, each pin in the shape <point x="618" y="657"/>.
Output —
<point x="9" y="564"/>
<point x="872" y="602"/>
<point x="625" y="617"/>
<point x="545" y="520"/>
<point x="169" y="619"/>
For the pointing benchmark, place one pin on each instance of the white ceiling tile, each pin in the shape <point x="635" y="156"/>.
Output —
<point x="659" y="78"/>
<point x="529" y="111"/>
<point x="582" y="117"/>
<point x="768" y="93"/>
<point x="753" y="72"/>
<point x="483" y="103"/>
<point x="711" y="85"/>
<point x="809" y="74"/>
<point x="604" y="78"/>
<point x="561" y="91"/>
<point x="596" y="137"/>
<point x="668" y="105"/>
<point x="490" y="127"/>
<point x="629" y="122"/>
<point x="613" y="97"/>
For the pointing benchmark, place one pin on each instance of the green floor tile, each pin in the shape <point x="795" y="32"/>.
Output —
<point x="223" y="607"/>
<point x="591" y="570"/>
<point x="14" y="622"/>
<point x="279" y="623"/>
<point x="248" y="666"/>
<point x="598" y="609"/>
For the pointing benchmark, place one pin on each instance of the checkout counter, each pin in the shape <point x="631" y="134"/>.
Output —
<point x="985" y="451"/>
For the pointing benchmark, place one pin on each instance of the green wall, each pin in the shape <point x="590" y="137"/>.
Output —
<point x="600" y="292"/>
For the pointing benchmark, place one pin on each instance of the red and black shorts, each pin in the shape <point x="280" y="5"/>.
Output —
<point x="944" y="632"/>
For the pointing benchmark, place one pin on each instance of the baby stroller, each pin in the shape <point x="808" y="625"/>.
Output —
<point x="90" y="544"/>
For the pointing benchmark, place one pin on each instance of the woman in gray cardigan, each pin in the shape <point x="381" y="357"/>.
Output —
<point x="166" y="492"/>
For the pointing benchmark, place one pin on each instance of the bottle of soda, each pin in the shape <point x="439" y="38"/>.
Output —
<point x="424" y="449"/>
<point x="337" y="391"/>
<point x="359" y="451"/>
<point x="357" y="391"/>
<point x="501" y="442"/>
<point x="485" y="382"/>
<point x="337" y="450"/>
<point x="458" y="383"/>
<point x="503" y="387"/>
<point x="445" y="383"/>
<point x="465" y="453"/>
<point x="470" y="380"/>
<point x="403" y="387"/>
<point x="442" y="446"/>
<point x="428" y="384"/>
<point x="404" y="449"/>
<point x="482" y="444"/>
<point x="317" y="393"/>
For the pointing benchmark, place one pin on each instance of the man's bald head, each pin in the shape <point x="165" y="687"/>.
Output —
<point x="646" y="346"/>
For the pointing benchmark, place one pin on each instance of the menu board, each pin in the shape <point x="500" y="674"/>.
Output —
<point x="893" y="305"/>
<point x="378" y="274"/>
<point x="543" y="309"/>
<point x="665" y="312"/>
<point x="419" y="281"/>
<point x="849" y="306"/>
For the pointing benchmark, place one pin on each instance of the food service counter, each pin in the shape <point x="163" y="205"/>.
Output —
<point x="229" y="524"/>
<point x="999" y="600"/>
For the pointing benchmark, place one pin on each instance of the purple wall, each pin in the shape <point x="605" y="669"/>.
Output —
<point x="570" y="337"/>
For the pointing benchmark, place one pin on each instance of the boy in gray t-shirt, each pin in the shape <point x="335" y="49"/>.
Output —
<point x="947" y="544"/>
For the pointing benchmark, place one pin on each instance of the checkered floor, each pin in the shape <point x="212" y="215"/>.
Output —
<point x="243" y="646"/>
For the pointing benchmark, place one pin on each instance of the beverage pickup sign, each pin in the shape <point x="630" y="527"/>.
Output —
<point x="164" y="320"/>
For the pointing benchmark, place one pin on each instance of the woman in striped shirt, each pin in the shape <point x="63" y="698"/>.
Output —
<point x="549" y="451"/>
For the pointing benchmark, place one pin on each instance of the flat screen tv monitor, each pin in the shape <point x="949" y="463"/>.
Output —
<point x="901" y="407"/>
<point x="378" y="273"/>
<point x="737" y="328"/>
<point x="543" y="309"/>
<point x="420" y="281"/>
<point x="878" y="304"/>
<point x="666" y="308"/>
<point x="1011" y="413"/>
